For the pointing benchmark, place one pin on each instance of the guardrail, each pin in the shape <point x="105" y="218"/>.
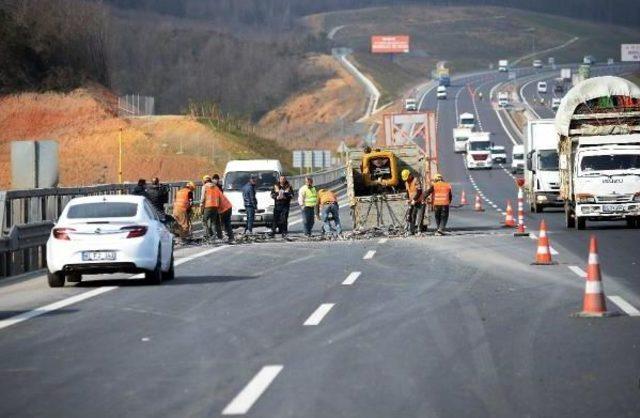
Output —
<point x="27" y="216"/>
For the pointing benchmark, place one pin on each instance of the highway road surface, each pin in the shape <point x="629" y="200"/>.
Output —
<point x="456" y="326"/>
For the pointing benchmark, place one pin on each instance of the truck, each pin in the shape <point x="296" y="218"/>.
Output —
<point x="503" y="99"/>
<point x="442" y="74"/>
<point x="541" y="175"/>
<point x="565" y="74"/>
<point x="503" y="66"/>
<point x="479" y="151"/>
<point x="467" y="120"/>
<point x="598" y="126"/>
<point x="376" y="192"/>
<point x="460" y="137"/>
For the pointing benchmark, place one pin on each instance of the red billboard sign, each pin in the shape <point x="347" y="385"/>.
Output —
<point x="390" y="44"/>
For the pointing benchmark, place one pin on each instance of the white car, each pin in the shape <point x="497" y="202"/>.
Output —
<point x="542" y="86"/>
<point x="503" y="99"/>
<point x="498" y="154"/>
<point x="109" y="234"/>
<point x="537" y="64"/>
<point x="410" y="105"/>
<point x="555" y="103"/>
<point x="442" y="92"/>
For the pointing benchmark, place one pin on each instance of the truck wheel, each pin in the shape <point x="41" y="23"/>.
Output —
<point x="55" y="279"/>
<point x="581" y="223"/>
<point x="570" y="220"/>
<point x="74" y="278"/>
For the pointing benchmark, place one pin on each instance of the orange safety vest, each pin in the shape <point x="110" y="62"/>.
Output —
<point x="412" y="188"/>
<point x="328" y="197"/>
<point x="225" y="204"/>
<point x="182" y="202"/>
<point x="441" y="193"/>
<point x="212" y="196"/>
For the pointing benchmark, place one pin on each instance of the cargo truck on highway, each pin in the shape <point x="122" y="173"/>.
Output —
<point x="598" y="125"/>
<point x="460" y="137"/>
<point x="541" y="175"/>
<point x="479" y="151"/>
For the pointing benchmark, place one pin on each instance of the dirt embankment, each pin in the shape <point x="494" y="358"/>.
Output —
<point x="321" y="116"/>
<point x="86" y="126"/>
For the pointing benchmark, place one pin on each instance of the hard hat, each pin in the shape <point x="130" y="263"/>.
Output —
<point x="405" y="174"/>
<point x="206" y="177"/>
<point x="438" y="176"/>
<point x="191" y="185"/>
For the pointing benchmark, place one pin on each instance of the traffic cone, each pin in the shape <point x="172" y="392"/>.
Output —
<point x="543" y="254"/>
<point x="478" y="206"/>
<point x="521" y="231"/>
<point x="509" y="221"/>
<point x="594" y="304"/>
<point x="463" y="199"/>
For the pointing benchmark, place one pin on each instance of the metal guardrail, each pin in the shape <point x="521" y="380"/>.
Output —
<point x="27" y="216"/>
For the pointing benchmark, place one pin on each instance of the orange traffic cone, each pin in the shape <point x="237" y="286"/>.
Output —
<point x="543" y="254"/>
<point x="463" y="199"/>
<point x="594" y="300"/>
<point x="509" y="221"/>
<point x="478" y="206"/>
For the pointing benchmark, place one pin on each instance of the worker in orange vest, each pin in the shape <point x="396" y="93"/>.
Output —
<point x="209" y="204"/>
<point x="327" y="209"/>
<point x="442" y="195"/>
<point x="224" y="210"/>
<point x="415" y="200"/>
<point x="182" y="209"/>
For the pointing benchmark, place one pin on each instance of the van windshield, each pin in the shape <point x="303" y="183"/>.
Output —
<point x="235" y="180"/>
<point x="480" y="146"/>
<point x="596" y="163"/>
<point x="548" y="160"/>
<point x="467" y="121"/>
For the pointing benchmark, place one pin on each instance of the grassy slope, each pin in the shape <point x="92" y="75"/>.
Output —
<point x="469" y="37"/>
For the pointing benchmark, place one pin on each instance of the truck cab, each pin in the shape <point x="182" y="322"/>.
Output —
<point x="517" y="159"/>
<point x="542" y="87"/>
<point x="479" y="151"/>
<point x="236" y="175"/>
<point x="460" y="137"/>
<point x="467" y="120"/>
<point x="541" y="175"/>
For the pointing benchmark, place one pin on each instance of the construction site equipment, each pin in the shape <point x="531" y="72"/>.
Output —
<point x="478" y="204"/>
<point x="463" y="199"/>
<point x="543" y="252"/>
<point x="380" y="168"/>
<point x="521" y="231"/>
<point x="509" y="221"/>
<point x="594" y="304"/>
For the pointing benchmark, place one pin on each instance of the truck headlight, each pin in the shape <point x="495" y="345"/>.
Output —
<point x="636" y="197"/>
<point x="585" y="198"/>
<point x="542" y="198"/>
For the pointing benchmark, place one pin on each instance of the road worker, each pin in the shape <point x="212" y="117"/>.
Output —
<point x="209" y="203"/>
<point x="182" y="209"/>
<point x="442" y="195"/>
<point x="282" y="193"/>
<point x="140" y="189"/>
<point x="250" y="203"/>
<point x="224" y="212"/>
<point x="415" y="211"/>
<point x="158" y="195"/>
<point x="327" y="208"/>
<point x="307" y="199"/>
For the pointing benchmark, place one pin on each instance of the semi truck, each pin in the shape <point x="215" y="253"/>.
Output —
<point x="598" y="126"/>
<point x="541" y="175"/>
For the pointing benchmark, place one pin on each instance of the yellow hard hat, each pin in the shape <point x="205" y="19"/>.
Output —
<point x="191" y="185"/>
<point x="206" y="177"/>
<point x="438" y="176"/>
<point x="405" y="174"/>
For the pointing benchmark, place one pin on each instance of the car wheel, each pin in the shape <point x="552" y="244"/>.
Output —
<point x="74" y="278"/>
<point x="55" y="279"/>
<point x="155" y="276"/>
<point x="171" y="274"/>
<point x="581" y="223"/>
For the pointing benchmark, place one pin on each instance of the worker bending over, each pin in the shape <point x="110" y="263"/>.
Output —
<point x="442" y="197"/>
<point x="328" y="209"/>
<point x="182" y="210"/>
<point x="415" y="201"/>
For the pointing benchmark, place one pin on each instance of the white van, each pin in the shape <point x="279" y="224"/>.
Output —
<point x="460" y="136"/>
<point x="467" y="120"/>
<point x="542" y="86"/>
<point x="517" y="159"/>
<point x="236" y="175"/>
<point x="537" y="63"/>
<point x="442" y="92"/>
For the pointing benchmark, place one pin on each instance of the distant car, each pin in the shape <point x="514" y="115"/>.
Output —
<point x="498" y="154"/>
<point x="589" y="60"/>
<point x="542" y="87"/>
<point x="517" y="159"/>
<point x="503" y="99"/>
<point x="558" y="88"/>
<point x="555" y="103"/>
<point x="410" y="105"/>
<point x="442" y="92"/>
<point x="109" y="234"/>
<point x="537" y="64"/>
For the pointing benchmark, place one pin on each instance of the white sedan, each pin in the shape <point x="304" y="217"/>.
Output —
<point x="109" y="234"/>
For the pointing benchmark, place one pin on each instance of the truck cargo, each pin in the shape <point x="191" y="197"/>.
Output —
<point x="598" y="125"/>
<point x="541" y="175"/>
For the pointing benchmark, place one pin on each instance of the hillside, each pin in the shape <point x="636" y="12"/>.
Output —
<point x="85" y="124"/>
<point x="468" y="37"/>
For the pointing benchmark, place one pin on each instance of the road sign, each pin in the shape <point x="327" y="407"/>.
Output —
<point x="318" y="159"/>
<point x="298" y="159"/>
<point x="390" y="44"/>
<point x="552" y="60"/>
<point x="630" y="52"/>
<point x="308" y="159"/>
<point x="327" y="159"/>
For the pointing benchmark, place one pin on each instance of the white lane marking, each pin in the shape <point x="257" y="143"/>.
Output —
<point x="577" y="270"/>
<point x="244" y="400"/>
<point x="351" y="278"/>
<point x="383" y="240"/>
<point x="369" y="255"/>
<point x="316" y="317"/>
<point x="5" y="323"/>
<point x="624" y="305"/>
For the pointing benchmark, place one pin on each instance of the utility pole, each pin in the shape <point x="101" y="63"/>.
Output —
<point x="120" y="155"/>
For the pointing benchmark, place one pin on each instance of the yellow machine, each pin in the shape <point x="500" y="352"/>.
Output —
<point x="380" y="168"/>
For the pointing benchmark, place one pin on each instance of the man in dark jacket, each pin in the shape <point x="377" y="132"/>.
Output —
<point x="141" y="188"/>
<point x="281" y="194"/>
<point x="250" y="203"/>
<point x="158" y="195"/>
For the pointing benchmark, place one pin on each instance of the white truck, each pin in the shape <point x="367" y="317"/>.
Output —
<point x="410" y="105"/>
<point x="479" y="151"/>
<point x="517" y="159"/>
<point x="503" y="99"/>
<point x="460" y="137"/>
<point x="503" y="66"/>
<point x="541" y="175"/>
<point x="565" y="74"/>
<point x="598" y="125"/>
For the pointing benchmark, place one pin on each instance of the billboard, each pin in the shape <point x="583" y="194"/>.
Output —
<point x="630" y="52"/>
<point x="389" y="44"/>
<point x="298" y="158"/>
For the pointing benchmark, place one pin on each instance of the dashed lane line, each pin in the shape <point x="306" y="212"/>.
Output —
<point x="244" y="400"/>
<point x="318" y="315"/>
<point x="351" y="278"/>
<point x="551" y="249"/>
<point x="369" y="255"/>
<point x="578" y="271"/>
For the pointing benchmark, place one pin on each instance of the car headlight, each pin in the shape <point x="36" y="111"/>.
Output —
<point x="636" y="197"/>
<point x="585" y="198"/>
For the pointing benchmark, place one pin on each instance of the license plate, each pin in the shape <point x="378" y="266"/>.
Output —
<point x="98" y="255"/>
<point x="258" y="217"/>
<point x="612" y="208"/>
